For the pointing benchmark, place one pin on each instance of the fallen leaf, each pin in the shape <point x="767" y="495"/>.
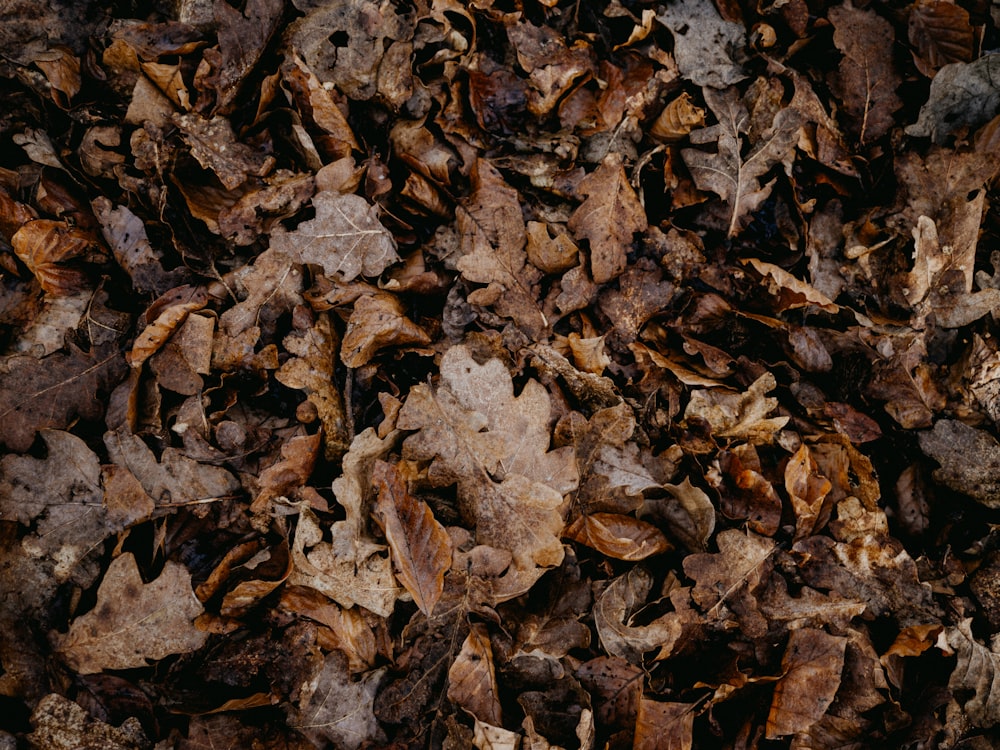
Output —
<point x="472" y="681"/>
<point x="618" y="536"/>
<point x="969" y="459"/>
<point x="214" y="145"/>
<point x="811" y="668"/>
<point x="378" y="321"/>
<point x="608" y="218"/>
<point x="419" y="545"/>
<point x="740" y="416"/>
<point x="284" y="477"/>
<point x="616" y="687"/>
<point x="736" y="178"/>
<point x="709" y="51"/>
<point x="345" y="238"/>
<point x="45" y="246"/>
<point x="243" y="36"/>
<point x="164" y="317"/>
<point x="61" y="724"/>
<point x="134" y="622"/>
<point x="807" y="488"/>
<point x="614" y="609"/>
<point x="940" y="34"/>
<point x="688" y="514"/>
<point x="489" y="737"/>
<point x="662" y="725"/>
<point x="962" y="95"/>
<point x="866" y="79"/>
<point x="335" y="708"/>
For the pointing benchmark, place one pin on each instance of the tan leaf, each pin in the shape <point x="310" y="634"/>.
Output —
<point x="45" y="245"/>
<point x="940" y="33"/>
<point x="62" y="68"/>
<point x="493" y="250"/>
<point x="797" y="293"/>
<point x="345" y="238"/>
<point x="60" y="724"/>
<point x="311" y="370"/>
<point x="677" y="119"/>
<point x="736" y="178"/>
<point x="378" y="321"/>
<point x="472" y="680"/>
<point x="976" y="671"/>
<point x="740" y="416"/>
<point x="214" y="145"/>
<point x="489" y="737"/>
<point x="317" y="105"/>
<point x="688" y="514"/>
<point x="614" y="609"/>
<point x="547" y="253"/>
<point x="168" y="313"/>
<point x="807" y="489"/>
<point x="664" y="726"/>
<point x="126" y="236"/>
<point x="618" y="536"/>
<point x="867" y="78"/>
<point x="269" y="287"/>
<point x="351" y="629"/>
<point x="495" y="447"/>
<point x="811" y="667"/>
<point x="334" y="708"/>
<point x="291" y="472"/>
<point x="608" y="218"/>
<point x="134" y="622"/>
<point x="419" y="545"/>
<point x="969" y="459"/>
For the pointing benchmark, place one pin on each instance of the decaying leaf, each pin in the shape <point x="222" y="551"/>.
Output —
<point x="134" y="622"/>
<point x="214" y="145"/>
<point x="613" y="611"/>
<point x="608" y="218"/>
<point x="472" y="681"/>
<point x="940" y="33"/>
<point x="962" y="95"/>
<point x="811" y="669"/>
<point x="61" y="724"/>
<point x="664" y="726"/>
<point x="618" y="536"/>
<point x="378" y="321"/>
<point x="345" y="238"/>
<point x="969" y="459"/>
<point x="45" y="246"/>
<point x="419" y="545"/>
<point x="709" y="51"/>
<point x="741" y="416"/>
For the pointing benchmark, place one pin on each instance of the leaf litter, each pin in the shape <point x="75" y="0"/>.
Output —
<point x="499" y="374"/>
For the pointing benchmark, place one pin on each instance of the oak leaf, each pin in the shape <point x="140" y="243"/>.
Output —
<point x="345" y="237"/>
<point x="133" y="621"/>
<point x="709" y="51"/>
<point x="977" y="672"/>
<point x="811" y="668"/>
<point x="494" y="446"/>
<point x="961" y="95"/>
<point x="419" y="545"/>
<point x="740" y="416"/>
<point x="608" y="218"/>
<point x="739" y="179"/>
<point x="472" y="680"/>
<point x="378" y="321"/>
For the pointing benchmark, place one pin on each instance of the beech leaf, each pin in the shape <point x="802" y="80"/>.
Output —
<point x="472" y="680"/>
<point x="811" y="668"/>
<point x="618" y="536"/>
<point x="940" y="33"/>
<point x="419" y="545"/>
<point x="134" y="622"/>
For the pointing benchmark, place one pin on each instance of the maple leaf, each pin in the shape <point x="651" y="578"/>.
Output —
<point x="735" y="178"/>
<point x="493" y="246"/>
<point x="494" y="446"/>
<point x="420" y="547"/>
<point x="608" y="218"/>
<point x="52" y="391"/>
<point x="345" y="238"/>
<point x="133" y="621"/>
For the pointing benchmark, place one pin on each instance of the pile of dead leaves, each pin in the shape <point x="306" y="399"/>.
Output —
<point x="499" y="374"/>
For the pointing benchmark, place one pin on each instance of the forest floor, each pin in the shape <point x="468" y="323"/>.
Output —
<point x="500" y="374"/>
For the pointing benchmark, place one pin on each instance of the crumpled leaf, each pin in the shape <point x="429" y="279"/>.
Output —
<point x="866" y="79"/>
<point x="493" y="246"/>
<point x="335" y="708"/>
<point x="52" y="391"/>
<point x="736" y="178"/>
<point x="63" y="496"/>
<point x="962" y="95"/>
<point x="811" y="669"/>
<point x="617" y="688"/>
<point x="618" y="536"/>
<point x="489" y="737"/>
<point x="472" y="680"/>
<point x="688" y="514"/>
<point x="969" y="459"/>
<point x="126" y="236"/>
<point x="613" y="611"/>
<point x="608" y="218"/>
<point x="709" y="51"/>
<point x="378" y="321"/>
<point x="243" y="36"/>
<point x="740" y="416"/>
<point x="345" y="238"/>
<point x="61" y="724"/>
<point x="164" y="317"/>
<point x="976" y="672"/>
<point x="45" y="245"/>
<point x="270" y="287"/>
<point x="419" y="545"/>
<point x="807" y="489"/>
<point x="494" y="445"/>
<point x="133" y="621"/>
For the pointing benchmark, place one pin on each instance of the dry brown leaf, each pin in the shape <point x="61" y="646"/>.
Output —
<point x="807" y="488"/>
<point x="378" y="321"/>
<point x="54" y="390"/>
<point x="134" y="622"/>
<point x="214" y="145"/>
<point x="661" y="725"/>
<point x="688" y="515"/>
<point x="740" y="416"/>
<point x="419" y="545"/>
<point x="494" y="446"/>
<point x="613" y="612"/>
<point x="352" y="631"/>
<point x="45" y="245"/>
<point x="346" y="238"/>
<point x="794" y="293"/>
<point x="489" y="737"/>
<point x="317" y="106"/>
<point x="269" y="288"/>
<point x="811" y="668"/>
<point x="311" y="369"/>
<point x="608" y="218"/>
<point x="284" y="477"/>
<point x="940" y="34"/>
<point x="335" y="708"/>
<point x="736" y="178"/>
<point x="709" y="51"/>
<point x="493" y="250"/>
<point x="243" y="36"/>
<point x="164" y="317"/>
<point x="617" y="688"/>
<point x="969" y="459"/>
<point x="618" y="536"/>
<point x="867" y="78"/>
<point x="472" y="680"/>
<point x="61" y="724"/>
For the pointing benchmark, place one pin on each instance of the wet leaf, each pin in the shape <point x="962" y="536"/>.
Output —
<point x="134" y="622"/>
